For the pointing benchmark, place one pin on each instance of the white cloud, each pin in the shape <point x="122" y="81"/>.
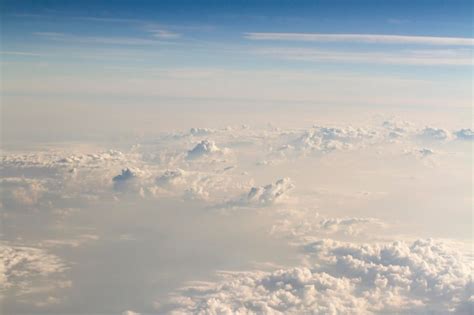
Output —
<point x="328" y="139"/>
<point x="164" y="34"/>
<point x="422" y="277"/>
<point x="171" y="178"/>
<point x="21" y="193"/>
<point x="363" y="38"/>
<point x="465" y="134"/>
<point x="72" y="184"/>
<point x="25" y="270"/>
<point x="127" y="174"/>
<point x="96" y="40"/>
<point x="454" y="57"/>
<point x="201" y="131"/>
<point x="269" y="194"/>
<point x="205" y="148"/>
<point x="435" y="134"/>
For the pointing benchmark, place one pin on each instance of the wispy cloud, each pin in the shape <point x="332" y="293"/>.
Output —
<point x="97" y="39"/>
<point x="406" y="57"/>
<point x="164" y="34"/>
<point x="362" y="38"/>
<point x="20" y="53"/>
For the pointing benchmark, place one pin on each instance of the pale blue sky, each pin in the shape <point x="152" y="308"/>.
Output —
<point x="410" y="51"/>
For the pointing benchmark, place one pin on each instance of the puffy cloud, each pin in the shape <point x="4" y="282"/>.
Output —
<point x="347" y="224"/>
<point x="204" y="148"/>
<point x="287" y="291"/>
<point x="127" y="174"/>
<point x="397" y="129"/>
<point x="25" y="270"/>
<point x="425" y="152"/>
<point x="465" y="134"/>
<point x="171" y="177"/>
<point x="298" y="225"/>
<point x="128" y="180"/>
<point x="269" y="194"/>
<point x="327" y="139"/>
<point x="423" y="276"/>
<point x="199" y="132"/>
<point x="435" y="134"/>
<point x="20" y="192"/>
<point x="420" y="277"/>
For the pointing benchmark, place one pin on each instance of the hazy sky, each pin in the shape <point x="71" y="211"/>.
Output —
<point x="236" y="157"/>
<point x="369" y="52"/>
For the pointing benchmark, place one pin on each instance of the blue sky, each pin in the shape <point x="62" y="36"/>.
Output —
<point x="87" y="40"/>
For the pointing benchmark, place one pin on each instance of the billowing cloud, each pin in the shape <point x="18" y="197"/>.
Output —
<point x="26" y="270"/>
<point x="204" y="148"/>
<point x="327" y="139"/>
<point x="269" y="194"/>
<point x="420" y="277"/>
<point x="171" y="177"/>
<point x="21" y="193"/>
<point x="430" y="133"/>
<point x="465" y="134"/>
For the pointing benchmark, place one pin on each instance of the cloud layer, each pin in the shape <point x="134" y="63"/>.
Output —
<point x="420" y="277"/>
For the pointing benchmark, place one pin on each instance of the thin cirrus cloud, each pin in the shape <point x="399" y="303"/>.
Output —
<point x="127" y="41"/>
<point x="362" y="38"/>
<point x="164" y="34"/>
<point x="454" y="57"/>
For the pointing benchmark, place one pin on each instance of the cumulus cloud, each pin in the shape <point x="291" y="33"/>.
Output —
<point x="329" y="138"/>
<point x="199" y="132"/>
<point x="269" y="194"/>
<point x="336" y="277"/>
<point x="127" y="174"/>
<point x="171" y="178"/>
<point x="397" y="129"/>
<point x="298" y="225"/>
<point x="465" y="134"/>
<point x="344" y="278"/>
<point x="20" y="192"/>
<point x="25" y="270"/>
<point x="204" y="148"/>
<point x="435" y="134"/>
<point x="127" y="180"/>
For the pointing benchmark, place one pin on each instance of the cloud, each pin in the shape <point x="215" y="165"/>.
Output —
<point x="269" y="194"/>
<point x="127" y="174"/>
<point x="397" y="129"/>
<point x="465" y="134"/>
<point x="205" y="148"/>
<point x="164" y="34"/>
<point x="171" y="178"/>
<point x="25" y="270"/>
<point x="198" y="132"/>
<point x="420" y="277"/>
<point x="128" y="180"/>
<point x="425" y="152"/>
<point x="328" y="139"/>
<point x="21" y="193"/>
<point x="453" y="57"/>
<point x="21" y="53"/>
<point x="362" y="38"/>
<point x="435" y="134"/>
<point x="298" y="225"/>
<point x="95" y="40"/>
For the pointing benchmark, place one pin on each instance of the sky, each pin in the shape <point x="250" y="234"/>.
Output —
<point x="151" y="49"/>
<point x="236" y="157"/>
